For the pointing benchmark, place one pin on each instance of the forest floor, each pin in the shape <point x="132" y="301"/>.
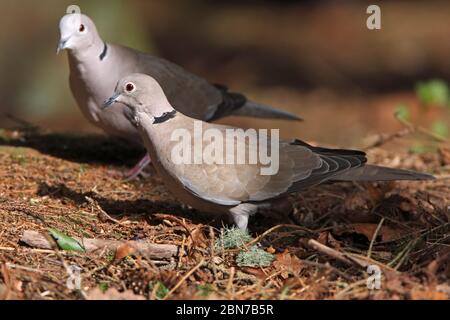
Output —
<point x="333" y="236"/>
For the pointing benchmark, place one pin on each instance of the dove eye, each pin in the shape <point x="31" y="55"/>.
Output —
<point x="82" y="28"/>
<point x="129" y="87"/>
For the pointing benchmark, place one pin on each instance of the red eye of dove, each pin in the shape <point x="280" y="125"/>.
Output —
<point x="82" y="28"/>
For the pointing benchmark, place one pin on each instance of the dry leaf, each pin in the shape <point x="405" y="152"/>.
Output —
<point x="199" y="238"/>
<point x="386" y="233"/>
<point x="288" y="264"/>
<point x="323" y="237"/>
<point x="326" y="238"/>
<point x="123" y="251"/>
<point x="271" y="250"/>
<point x="444" y="154"/>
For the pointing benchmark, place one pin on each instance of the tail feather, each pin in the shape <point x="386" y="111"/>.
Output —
<point x="253" y="109"/>
<point x="377" y="173"/>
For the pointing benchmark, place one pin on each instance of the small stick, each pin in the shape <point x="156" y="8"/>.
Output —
<point x="263" y="235"/>
<point x="152" y="250"/>
<point x="187" y="275"/>
<point x="213" y="253"/>
<point x="102" y="212"/>
<point x="230" y="279"/>
<point x="385" y="138"/>
<point x="16" y="266"/>
<point x="369" y="252"/>
<point x="340" y="294"/>
<point x="326" y="266"/>
<point x="336" y="254"/>
<point x="413" y="127"/>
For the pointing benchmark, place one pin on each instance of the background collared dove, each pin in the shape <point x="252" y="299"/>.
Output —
<point x="236" y="189"/>
<point x="96" y="66"/>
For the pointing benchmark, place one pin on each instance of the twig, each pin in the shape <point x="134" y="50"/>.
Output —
<point x="31" y="250"/>
<point x="230" y="280"/>
<point x="23" y="124"/>
<point x="341" y="293"/>
<point x="152" y="250"/>
<point x="16" y="266"/>
<point x="369" y="261"/>
<point x="413" y="127"/>
<point x="326" y="266"/>
<point x="382" y="139"/>
<point x="187" y="275"/>
<point x="336" y="254"/>
<point x="213" y="253"/>
<point x="263" y="235"/>
<point x="103" y="212"/>
<point x="404" y="254"/>
<point x="369" y="252"/>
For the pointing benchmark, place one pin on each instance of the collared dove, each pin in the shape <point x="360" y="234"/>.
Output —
<point x="96" y="66"/>
<point x="237" y="189"/>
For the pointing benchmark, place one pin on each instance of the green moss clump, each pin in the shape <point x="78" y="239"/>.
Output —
<point x="254" y="257"/>
<point x="233" y="238"/>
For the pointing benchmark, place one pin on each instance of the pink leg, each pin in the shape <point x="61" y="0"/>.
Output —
<point x="138" y="168"/>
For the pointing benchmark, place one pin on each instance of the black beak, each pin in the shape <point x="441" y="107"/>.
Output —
<point x="111" y="100"/>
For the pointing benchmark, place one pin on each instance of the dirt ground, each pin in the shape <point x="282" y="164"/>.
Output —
<point x="321" y="250"/>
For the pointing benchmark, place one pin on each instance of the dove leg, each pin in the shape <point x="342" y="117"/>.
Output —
<point x="137" y="169"/>
<point x="241" y="214"/>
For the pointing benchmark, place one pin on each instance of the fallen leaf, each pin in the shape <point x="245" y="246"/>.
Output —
<point x="385" y="233"/>
<point x="199" y="238"/>
<point x="326" y="238"/>
<point x="444" y="154"/>
<point x="271" y="250"/>
<point x="288" y="264"/>
<point x="323" y="237"/>
<point x="123" y="251"/>
<point x="65" y="242"/>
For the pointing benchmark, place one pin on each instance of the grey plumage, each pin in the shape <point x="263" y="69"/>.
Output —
<point x="236" y="189"/>
<point x="96" y="66"/>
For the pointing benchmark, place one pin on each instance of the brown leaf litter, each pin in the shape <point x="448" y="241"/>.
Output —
<point x="322" y="248"/>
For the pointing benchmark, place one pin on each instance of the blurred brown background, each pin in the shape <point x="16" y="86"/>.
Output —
<point x="314" y="58"/>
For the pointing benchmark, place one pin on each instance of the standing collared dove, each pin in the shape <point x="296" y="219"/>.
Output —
<point x="96" y="66"/>
<point x="237" y="189"/>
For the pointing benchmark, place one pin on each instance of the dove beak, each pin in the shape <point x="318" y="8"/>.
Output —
<point x="62" y="45"/>
<point x="111" y="100"/>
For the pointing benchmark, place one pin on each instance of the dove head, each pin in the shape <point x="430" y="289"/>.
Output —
<point x="77" y="32"/>
<point x="142" y="94"/>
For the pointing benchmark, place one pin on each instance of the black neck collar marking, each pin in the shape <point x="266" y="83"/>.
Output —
<point x="164" y="117"/>
<point x="104" y="52"/>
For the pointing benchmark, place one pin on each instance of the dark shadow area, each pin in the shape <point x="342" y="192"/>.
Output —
<point x="91" y="149"/>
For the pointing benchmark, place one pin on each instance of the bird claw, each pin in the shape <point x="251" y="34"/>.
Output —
<point x="138" y="169"/>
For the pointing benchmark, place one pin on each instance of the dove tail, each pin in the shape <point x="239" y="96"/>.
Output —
<point x="377" y="173"/>
<point x="253" y="109"/>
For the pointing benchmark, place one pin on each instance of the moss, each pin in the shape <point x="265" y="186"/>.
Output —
<point x="254" y="257"/>
<point x="233" y="238"/>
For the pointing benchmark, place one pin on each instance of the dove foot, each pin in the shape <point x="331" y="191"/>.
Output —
<point x="138" y="169"/>
<point x="241" y="214"/>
